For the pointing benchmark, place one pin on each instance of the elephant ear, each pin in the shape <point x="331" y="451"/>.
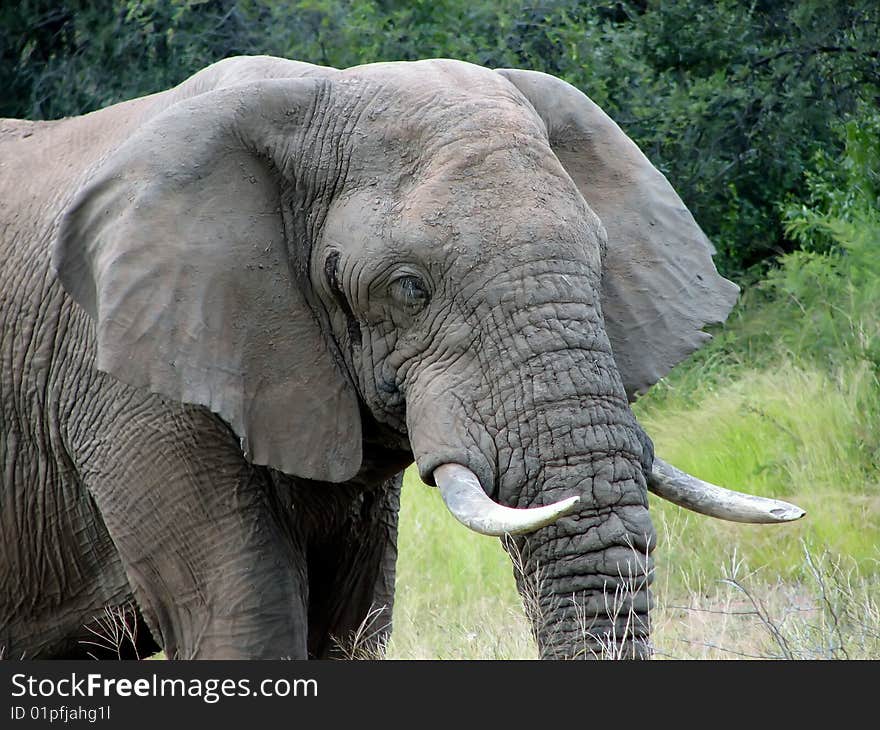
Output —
<point x="659" y="285"/>
<point x="182" y="249"/>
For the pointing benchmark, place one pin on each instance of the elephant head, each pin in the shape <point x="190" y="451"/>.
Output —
<point x="473" y="269"/>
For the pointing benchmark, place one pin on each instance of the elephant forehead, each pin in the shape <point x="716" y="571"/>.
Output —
<point x="470" y="230"/>
<point x="500" y="195"/>
<point x="446" y="152"/>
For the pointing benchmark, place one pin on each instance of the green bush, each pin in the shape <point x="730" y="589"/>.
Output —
<point x="832" y="285"/>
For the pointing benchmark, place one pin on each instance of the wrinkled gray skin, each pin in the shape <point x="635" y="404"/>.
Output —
<point x="233" y="313"/>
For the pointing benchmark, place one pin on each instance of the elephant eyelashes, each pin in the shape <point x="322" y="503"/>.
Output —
<point x="410" y="293"/>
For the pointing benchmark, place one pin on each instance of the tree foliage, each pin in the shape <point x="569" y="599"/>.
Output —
<point x="735" y="101"/>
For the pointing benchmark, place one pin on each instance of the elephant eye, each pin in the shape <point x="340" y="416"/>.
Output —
<point x="410" y="292"/>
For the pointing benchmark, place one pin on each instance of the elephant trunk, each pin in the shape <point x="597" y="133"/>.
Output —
<point x="585" y="579"/>
<point x="585" y="583"/>
<point x="550" y="422"/>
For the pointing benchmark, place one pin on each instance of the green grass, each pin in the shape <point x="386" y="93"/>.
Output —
<point x="453" y="587"/>
<point x="793" y="433"/>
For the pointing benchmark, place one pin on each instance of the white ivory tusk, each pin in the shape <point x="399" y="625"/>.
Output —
<point x="470" y="505"/>
<point x="694" y="494"/>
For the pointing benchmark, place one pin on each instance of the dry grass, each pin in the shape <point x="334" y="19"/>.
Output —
<point x="832" y="614"/>
<point x="114" y="631"/>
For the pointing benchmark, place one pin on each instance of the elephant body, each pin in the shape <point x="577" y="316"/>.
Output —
<point x="233" y="312"/>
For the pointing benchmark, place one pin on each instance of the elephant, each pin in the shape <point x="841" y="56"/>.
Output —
<point x="235" y="311"/>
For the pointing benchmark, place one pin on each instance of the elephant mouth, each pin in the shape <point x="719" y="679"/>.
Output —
<point x="468" y="502"/>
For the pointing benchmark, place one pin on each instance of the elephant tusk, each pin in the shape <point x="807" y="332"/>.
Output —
<point x="709" y="499"/>
<point x="469" y="504"/>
